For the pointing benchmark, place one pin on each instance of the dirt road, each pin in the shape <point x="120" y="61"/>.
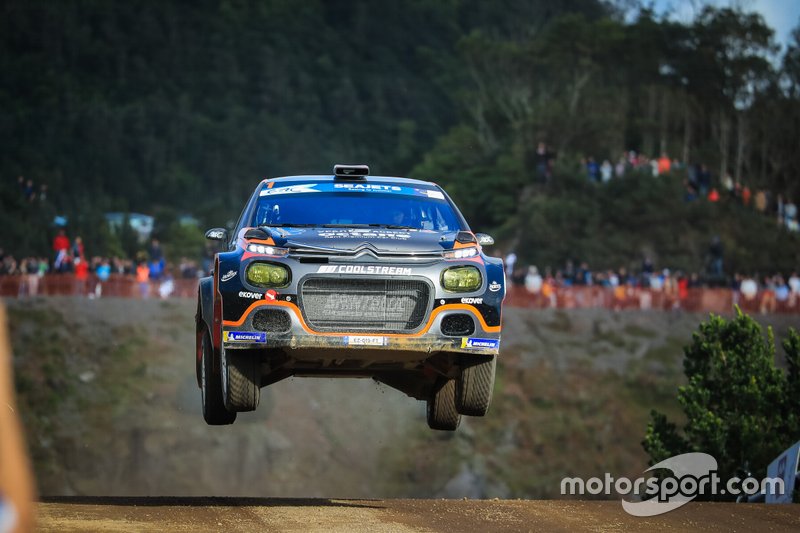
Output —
<point x="259" y="514"/>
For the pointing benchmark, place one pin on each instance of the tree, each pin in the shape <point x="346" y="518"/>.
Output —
<point x="739" y="407"/>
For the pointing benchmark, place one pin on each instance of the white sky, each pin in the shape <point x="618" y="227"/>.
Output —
<point x="781" y="15"/>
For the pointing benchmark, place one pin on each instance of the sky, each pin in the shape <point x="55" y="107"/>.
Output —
<point x="781" y="15"/>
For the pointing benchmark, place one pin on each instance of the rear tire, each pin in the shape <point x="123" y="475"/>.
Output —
<point x="241" y="380"/>
<point x="475" y="386"/>
<point x="214" y="411"/>
<point x="442" y="414"/>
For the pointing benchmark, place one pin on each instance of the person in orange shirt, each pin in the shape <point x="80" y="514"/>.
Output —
<point x="664" y="164"/>
<point x="17" y="490"/>
<point x="143" y="279"/>
<point x="81" y="275"/>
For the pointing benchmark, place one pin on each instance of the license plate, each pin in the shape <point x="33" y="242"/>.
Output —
<point x="365" y="340"/>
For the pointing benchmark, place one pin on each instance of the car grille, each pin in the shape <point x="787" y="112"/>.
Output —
<point x="364" y="305"/>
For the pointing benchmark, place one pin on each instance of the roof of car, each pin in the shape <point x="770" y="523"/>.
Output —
<point x="366" y="179"/>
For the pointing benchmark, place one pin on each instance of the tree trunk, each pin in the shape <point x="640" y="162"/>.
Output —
<point x="724" y="131"/>
<point x="687" y="129"/>
<point x="741" y="139"/>
<point x="664" y="129"/>
<point x="648" y="140"/>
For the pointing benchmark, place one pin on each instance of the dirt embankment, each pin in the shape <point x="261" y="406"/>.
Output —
<point x="110" y="402"/>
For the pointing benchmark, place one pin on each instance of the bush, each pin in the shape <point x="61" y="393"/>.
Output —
<point x="739" y="407"/>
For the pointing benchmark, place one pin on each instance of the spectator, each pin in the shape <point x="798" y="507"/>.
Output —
<point x="728" y="186"/>
<point x="781" y="290"/>
<point x="606" y="170"/>
<point x="749" y="288"/>
<point x="77" y="249"/>
<point x="593" y="170"/>
<point x="543" y="157"/>
<point x="715" y="255"/>
<point x="746" y="194"/>
<point x="794" y="288"/>
<point x="143" y="279"/>
<point x="167" y="285"/>
<point x="103" y="273"/>
<point x="761" y="201"/>
<point x="713" y="196"/>
<point x="533" y="280"/>
<point x="664" y="164"/>
<point x="30" y="191"/>
<point x="511" y="260"/>
<point x="61" y="241"/>
<point x="790" y="216"/>
<point x="81" y="275"/>
<point x="620" y="167"/>
<point x="704" y="180"/>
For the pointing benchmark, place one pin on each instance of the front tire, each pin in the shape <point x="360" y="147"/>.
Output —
<point x="442" y="414"/>
<point x="214" y="411"/>
<point x="475" y="386"/>
<point x="241" y="380"/>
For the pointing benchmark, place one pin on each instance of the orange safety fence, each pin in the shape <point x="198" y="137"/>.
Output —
<point x="618" y="298"/>
<point x="716" y="300"/>
<point x="118" y="285"/>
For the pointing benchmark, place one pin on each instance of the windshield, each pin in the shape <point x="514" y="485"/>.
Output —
<point x="316" y="205"/>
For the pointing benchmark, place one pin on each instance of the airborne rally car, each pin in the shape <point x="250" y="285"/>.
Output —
<point x="350" y="275"/>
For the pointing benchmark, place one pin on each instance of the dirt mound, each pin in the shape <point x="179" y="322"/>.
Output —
<point x="108" y="395"/>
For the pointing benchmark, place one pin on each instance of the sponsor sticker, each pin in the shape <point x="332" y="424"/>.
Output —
<point x="364" y="340"/>
<point x="244" y="336"/>
<point x="230" y="274"/>
<point x="474" y="301"/>
<point x="364" y="269"/>
<point x="291" y="189"/>
<point x="365" y="234"/>
<point x="469" y="342"/>
<point x="270" y="295"/>
<point x="352" y="187"/>
<point x="367" y="187"/>
<point x="494" y="286"/>
<point x="250" y="295"/>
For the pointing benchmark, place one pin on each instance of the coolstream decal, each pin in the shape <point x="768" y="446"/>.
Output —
<point x="227" y="276"/>
<point x="244" y="336"/>
<point x="467" y="342"/>
<point x="362" y="269"/>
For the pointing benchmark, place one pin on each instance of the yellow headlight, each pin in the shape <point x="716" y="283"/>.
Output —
<point x="461" y="279"/>
<point x="268" y="275"/>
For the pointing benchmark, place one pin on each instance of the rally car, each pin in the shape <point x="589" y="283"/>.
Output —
<point x="350" y="275"/>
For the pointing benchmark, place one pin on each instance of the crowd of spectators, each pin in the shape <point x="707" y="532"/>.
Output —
<point x="699" y="184"/>
<point x="767" y="293"/>
<point x="29" y="191"/>
<point x="150" y="270"/>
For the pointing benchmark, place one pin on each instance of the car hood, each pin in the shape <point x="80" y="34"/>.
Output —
<point x="352" y="239"/>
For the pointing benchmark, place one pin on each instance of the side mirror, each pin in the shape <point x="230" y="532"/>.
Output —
<point x="484" y="240"/>
<point x="217" y="234"/>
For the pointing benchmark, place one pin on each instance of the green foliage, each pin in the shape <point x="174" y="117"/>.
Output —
<point x="739" y="407"/>
<point x="161" y="108"/>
